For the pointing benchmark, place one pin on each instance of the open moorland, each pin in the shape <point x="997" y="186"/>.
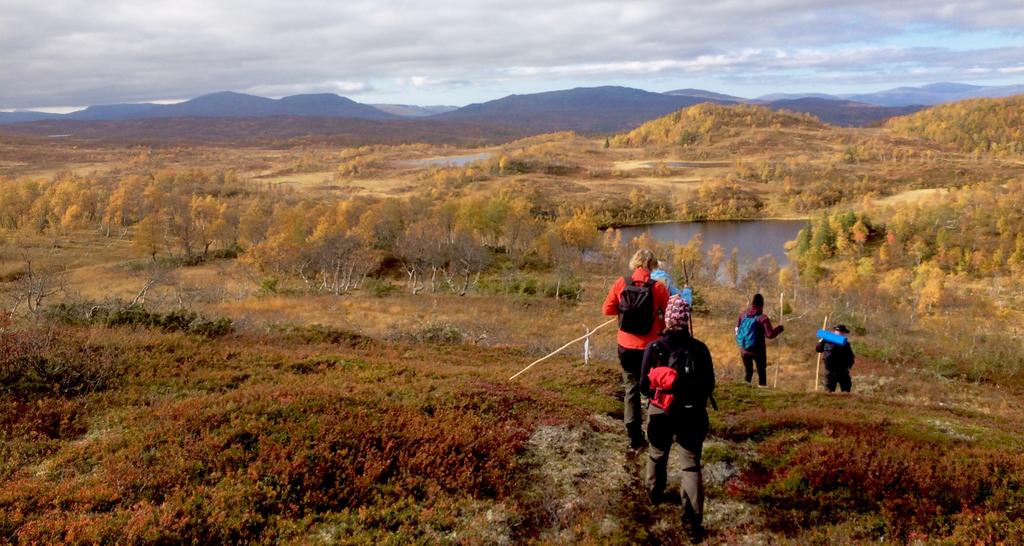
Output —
<point x="312" y="343"/>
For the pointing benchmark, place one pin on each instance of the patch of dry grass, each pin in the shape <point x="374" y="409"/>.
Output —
<point x="910" y="196"/>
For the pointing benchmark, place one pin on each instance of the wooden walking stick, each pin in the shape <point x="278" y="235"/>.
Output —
<point x="778" y="361"/>
<point x="817" y="367"/>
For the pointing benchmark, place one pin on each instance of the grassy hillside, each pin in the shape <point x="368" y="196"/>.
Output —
<point x="704" y="122"/>
<point x="984" y="126"/>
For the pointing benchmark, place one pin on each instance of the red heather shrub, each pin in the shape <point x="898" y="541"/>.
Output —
<point x="233" y="467"/>
<point x="39" y="362"/>
<point x="817" y="468"/>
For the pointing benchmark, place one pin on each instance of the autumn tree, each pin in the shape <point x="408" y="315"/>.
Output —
<point x="714" y="261"/>
<point x="148" y="236"/>
<point x="579" y="231"/>
<point x="732" y="267"/>
<point x="690" y="258"/>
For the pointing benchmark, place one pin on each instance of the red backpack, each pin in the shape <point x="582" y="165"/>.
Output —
<point x="662" y="380"/>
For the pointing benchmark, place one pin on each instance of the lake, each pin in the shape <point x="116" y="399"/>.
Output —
<point x="753" y="238"/>
<point x="448" y="161"/>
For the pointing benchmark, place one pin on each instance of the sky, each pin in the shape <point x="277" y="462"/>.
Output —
<point x="61" y="54"/>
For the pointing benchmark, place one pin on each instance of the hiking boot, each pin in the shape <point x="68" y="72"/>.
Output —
<point x="696" y="533"/>
<point x="656" y="497"/>
<point x="692" y="524"/>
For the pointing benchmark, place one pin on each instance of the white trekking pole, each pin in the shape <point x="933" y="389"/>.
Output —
<point x="778" y="361"/>
<point x="817" y="367"/>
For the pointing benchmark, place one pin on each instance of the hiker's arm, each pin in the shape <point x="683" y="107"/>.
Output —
<point x="770" y="332"/>
<point x="673" y="290"/>
<point x="820" y="347"/>
<point x="662" y="293"/>
<point x="611" y="303"/>
<point x="710" y="380"/>
<point x="661" y="299"/>
<point x="649" y="362"/>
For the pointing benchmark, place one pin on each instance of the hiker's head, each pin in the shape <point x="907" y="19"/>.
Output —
<point x="841" y="329"/>
<point x="758" y="300"/>
<point x="644" y="259"/>
<point x="677" y="314"/>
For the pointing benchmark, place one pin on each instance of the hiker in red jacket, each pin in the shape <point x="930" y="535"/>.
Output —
<point x="752" y="328"/>
<point x="640" y="305"/>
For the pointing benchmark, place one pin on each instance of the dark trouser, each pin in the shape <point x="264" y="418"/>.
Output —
<point x="631" y="361"/>
<point x="688" y="430"/>
<point x="841" y="378"/>
<point x="761" y="359"/>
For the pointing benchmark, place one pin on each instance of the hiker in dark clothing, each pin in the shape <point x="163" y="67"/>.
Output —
<point x="752" y="328"/>
<point x="838" y="361"/>
<point x="678" y="377"/>
<point x="640" y="305"/>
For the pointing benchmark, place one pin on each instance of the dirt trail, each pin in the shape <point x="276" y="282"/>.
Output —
<point x="587" y="469"/>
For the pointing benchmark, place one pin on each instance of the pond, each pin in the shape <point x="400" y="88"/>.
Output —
<point x="448" y="161"/>
<point x="688" y="164"/>
<point x="752" y="238"/>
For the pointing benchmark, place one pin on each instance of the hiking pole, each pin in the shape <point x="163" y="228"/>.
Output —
<point x="586" y="346"/>
<point x="560" y="349"/>
<point x="817" y="367"/>
<point x="782" y="315"/>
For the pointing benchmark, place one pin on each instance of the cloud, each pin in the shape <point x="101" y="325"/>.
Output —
<point x="64" y="52"/>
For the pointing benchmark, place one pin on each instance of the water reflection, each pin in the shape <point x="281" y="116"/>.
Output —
<point x="753" y="238"/>
<point x="448" y="161"/>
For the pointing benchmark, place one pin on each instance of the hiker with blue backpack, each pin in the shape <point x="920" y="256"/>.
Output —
<point x="838" y="358"/>
<point x="662" y="275"/>
<point x="678" y="377"/>
<point x="639" y="301"/>
<point x="752" y="329"/>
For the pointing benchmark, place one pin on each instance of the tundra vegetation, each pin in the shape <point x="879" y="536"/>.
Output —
<point x="306" y="344"/>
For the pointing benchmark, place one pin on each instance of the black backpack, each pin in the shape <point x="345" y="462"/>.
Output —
<point x="636" y="306"/>
<point x="689" y="388"/>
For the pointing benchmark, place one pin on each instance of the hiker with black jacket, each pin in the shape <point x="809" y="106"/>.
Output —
<point x="838" y="360"/>
<point x="640" y="305"/>
<point x="678" y="377"/>
<point x="752" y="328"/>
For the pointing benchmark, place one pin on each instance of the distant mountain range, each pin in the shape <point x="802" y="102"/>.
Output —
<point x="585" y="109"/>
<point x="926" y="95"/>
<point x="846" y="113"/>
<point x="710" y="95"/>
<point x="590" y="110"/>
<point x="220" y="105"/>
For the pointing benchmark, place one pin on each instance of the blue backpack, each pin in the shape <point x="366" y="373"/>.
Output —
<point x="746" y="334"/>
